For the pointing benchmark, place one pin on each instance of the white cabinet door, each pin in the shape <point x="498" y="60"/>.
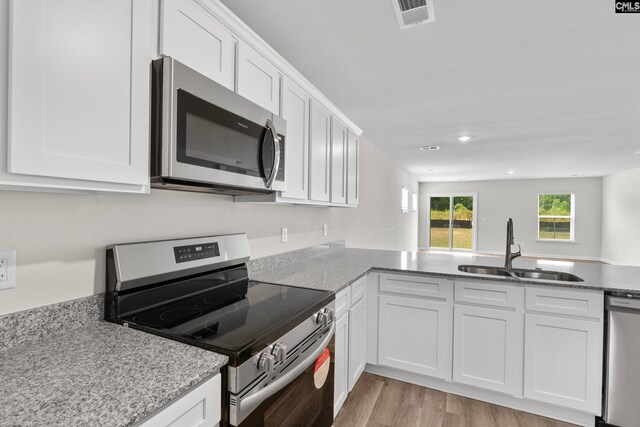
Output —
<point x="353" y="169"/>
<point x="563" y="362"/>
<point x="198" y="408"/>
<point x="341" y="367"/>
<point x="487" y="348"/>
<point x="414" y="335"/>
<point x="258" y="79"/>
<point x="319" y="153"/>
<point x="191" y="35"/>
<point x="357" y="341"/>
<point x="338" y="161"/>
<point x="295" y="110"/>
<point x="79" y="89"/>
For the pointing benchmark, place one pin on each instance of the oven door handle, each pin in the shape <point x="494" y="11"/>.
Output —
<point x="276" y="153"/>
<point x="250" y="403"/>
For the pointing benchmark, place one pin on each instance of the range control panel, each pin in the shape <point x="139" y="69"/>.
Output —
<point x="196" y="252"/>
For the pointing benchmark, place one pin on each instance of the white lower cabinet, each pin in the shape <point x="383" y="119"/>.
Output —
<point x="414" y="334"/>
<point x="198" y="408"/>
<point x="534" y="348"/>
<point x="357" y="341"/>
<point x="341" y="367"/>
<point x="563" y="361"/>
<point x="487" y="348"/>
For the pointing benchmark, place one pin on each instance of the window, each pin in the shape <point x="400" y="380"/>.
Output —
<point x="404" y="207"/>
<point x="556" y="217"/>
<point x="452" y="221"/>
<point x="414" y="206"/>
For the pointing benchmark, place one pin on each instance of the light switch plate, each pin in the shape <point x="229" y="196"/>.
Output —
<point x="324" y="229"/>
<point x="7" y="269"/>
<point x="284" y="235"/>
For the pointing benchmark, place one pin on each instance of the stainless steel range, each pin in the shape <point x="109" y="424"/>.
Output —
<point x="279" y="339"/>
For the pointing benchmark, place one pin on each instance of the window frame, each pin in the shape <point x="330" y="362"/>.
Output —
<point x="474" y="222"/>
<point x="572" y="217"/>
<point x="404" y="200"/>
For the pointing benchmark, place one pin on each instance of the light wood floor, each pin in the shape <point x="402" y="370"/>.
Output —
<point x="381" y="402"/>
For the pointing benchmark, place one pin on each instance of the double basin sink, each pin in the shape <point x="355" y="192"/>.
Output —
<point x="520" y="273"/>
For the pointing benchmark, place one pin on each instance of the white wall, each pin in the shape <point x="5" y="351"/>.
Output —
<point x="621" y="218"/>
<point x="60" y="238"/>
<point x="517" y="198"/>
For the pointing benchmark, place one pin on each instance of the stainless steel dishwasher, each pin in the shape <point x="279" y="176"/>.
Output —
<point x="622" y="386"/>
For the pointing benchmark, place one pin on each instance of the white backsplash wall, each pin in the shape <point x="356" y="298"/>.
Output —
<point x="518" y="199"/>
<point x="60" y="238"/>
<point x="621" y="218"/>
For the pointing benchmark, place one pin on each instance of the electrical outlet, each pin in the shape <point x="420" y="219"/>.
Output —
<point x="284" y="234"/>
<point x="324" y="229"/>
<point x="7" y="269"/>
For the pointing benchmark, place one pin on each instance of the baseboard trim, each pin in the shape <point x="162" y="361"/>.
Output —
<point x="538" y="408"/>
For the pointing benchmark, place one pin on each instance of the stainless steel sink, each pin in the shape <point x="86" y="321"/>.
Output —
<point x="520" y="273"/>
<point x="485" y="269"/>
<point x="546" y="275"/>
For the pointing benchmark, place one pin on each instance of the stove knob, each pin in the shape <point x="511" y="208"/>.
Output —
<point x="322" y="318"/>
<point x="279" y="352"/>
<point x="267" y="363"/>
<point x="331" y="314"/>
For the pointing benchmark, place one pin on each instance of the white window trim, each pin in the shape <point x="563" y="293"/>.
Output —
<point x="474" y="222"/>
<point x="572" y="217"/>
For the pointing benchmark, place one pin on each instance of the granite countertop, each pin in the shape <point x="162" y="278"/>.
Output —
<point x="335" y="270"/>
<point x="101" y="374"/>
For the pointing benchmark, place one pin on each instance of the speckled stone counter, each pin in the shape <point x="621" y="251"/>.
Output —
<point x="101" y="374"/>
<point x="337" y="269"/>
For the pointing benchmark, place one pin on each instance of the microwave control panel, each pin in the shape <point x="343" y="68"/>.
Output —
<point x="196" y="252"/>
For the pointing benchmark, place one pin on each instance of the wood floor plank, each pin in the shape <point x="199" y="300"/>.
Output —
<point x="357" y="409"/>
<point x="383" y="402"/>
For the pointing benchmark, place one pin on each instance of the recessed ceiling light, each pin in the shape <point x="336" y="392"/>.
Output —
<point x="464" y="138"/>
<point x="431" y="170"/>
<point x="511" y="171"/>
<point x="430" y="148"/>
<point x="638" y="152"/>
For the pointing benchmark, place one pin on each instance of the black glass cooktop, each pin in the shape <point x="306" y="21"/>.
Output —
<point x="232" y="317"/>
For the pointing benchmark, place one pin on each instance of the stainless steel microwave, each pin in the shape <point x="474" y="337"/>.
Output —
<point x="208" y="138"/>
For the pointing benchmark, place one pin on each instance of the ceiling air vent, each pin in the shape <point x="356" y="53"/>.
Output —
<point x="413" y="12"/>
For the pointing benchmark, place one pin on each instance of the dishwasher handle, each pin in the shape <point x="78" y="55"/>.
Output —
<point x="621" y="302"/>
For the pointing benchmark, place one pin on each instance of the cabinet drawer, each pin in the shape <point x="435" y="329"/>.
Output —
<point x="573" y="302"/>
<point x="358" y="289"/>
<point x="343" y="302"/>
<point x="487" y="293"/>
<point x="415" y="285"/>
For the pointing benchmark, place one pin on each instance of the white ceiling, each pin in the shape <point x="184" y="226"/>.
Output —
<point x="547" y="88"/>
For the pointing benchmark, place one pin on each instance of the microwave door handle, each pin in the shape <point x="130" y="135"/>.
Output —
<point x="276" y="153"/>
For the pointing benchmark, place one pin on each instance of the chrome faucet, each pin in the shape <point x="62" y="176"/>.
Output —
<point x="509" y="256"/>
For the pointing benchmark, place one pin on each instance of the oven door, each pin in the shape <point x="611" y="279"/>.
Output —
<point x="216" y="136"/>
<point x="300" y="395"/>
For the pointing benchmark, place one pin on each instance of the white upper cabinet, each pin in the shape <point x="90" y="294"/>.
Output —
<point x="353" y="169"/>
<point x="319" y="153"/>
<point x="192" y="35"/>
<point x="295" y="110"/>
<point x="338" y="161"/>
<point x="79" y="92"/>
<point x="258" y="79"/>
